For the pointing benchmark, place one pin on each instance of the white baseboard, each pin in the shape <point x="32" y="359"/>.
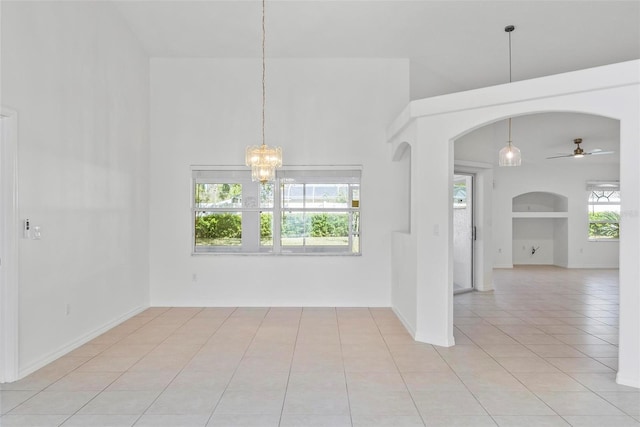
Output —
<point x="445" y="342"/>
<point x="503" y="266"/>
<point x="404" y="322"/>
<point x="630" y="382"/>
<point x="61" y="351"/>
<point x="448" y="342"/>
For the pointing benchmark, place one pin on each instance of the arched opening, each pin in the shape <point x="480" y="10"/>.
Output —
<point x="523" y="196"/>
<point x="432" y="125"/>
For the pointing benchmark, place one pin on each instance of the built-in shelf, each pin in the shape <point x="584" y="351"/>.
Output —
<point x="540" y="228"/>
<point x="540" y="214"/>
<point x="539" y="202"/>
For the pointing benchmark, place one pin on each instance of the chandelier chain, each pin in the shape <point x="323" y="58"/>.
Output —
<point x="264" y="69"/>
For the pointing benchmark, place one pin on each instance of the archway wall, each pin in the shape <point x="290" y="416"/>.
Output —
<point x="403" y="243"/>
<point x="611" y="91"/>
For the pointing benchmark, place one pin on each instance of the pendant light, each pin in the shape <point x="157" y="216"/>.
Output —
<point x="510" y="154"/>
<point x="263" y="159"/>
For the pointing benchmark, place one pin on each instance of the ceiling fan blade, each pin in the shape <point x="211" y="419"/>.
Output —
<point x="600" y="152"/>
<point x="557" y="157"/>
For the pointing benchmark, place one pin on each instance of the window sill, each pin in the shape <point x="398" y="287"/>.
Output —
<point x="271" y="254"/>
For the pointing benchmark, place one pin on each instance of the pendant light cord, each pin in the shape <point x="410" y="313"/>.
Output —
<point x="264" y="69"/>
<point x="509" y="30"/>
<point x="510" y="57"/>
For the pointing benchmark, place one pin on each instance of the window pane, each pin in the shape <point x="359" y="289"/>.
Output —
<point x="266" y="195"/>
<point x="598" y="209"/>
<point x="355" y="196"/>
<point x="328" y="229"/>
<point x="355" y="231"/>
<point x="292" y="195"/>
<point x="316" y="229"/>
<point x="599" y="196"/>
<point x="294" y="228"/>
<point x="266" y="228"/>
<point x="460" y="195"/>
<point x="218" y="229"/>
<point x="218" y="195"/>
<point x="604" y="214"/>
<point x="326" y="195"/>
<point x="604" y="230"/>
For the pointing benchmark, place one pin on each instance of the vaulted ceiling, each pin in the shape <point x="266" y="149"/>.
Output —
<point x="451" y="45"/>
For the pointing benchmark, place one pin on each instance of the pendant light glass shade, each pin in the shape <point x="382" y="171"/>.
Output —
<point x="510" y="156"/>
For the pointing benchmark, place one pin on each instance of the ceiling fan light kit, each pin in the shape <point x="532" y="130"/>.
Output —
<point x="509" y="155"/>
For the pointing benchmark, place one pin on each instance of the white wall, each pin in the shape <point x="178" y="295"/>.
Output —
<point x="569" y="181"/>
<point x="403" y="255"/>
<point x="535" y="233"/>
<point x="322" y="112"/>
<point x="566" y="177"/>
<point x="79" y="82"/>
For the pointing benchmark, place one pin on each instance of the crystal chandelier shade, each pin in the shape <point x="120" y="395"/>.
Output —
<point x="263" y="161"/>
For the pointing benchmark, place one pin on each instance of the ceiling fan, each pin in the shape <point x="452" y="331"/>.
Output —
<point x="579" y="152"/>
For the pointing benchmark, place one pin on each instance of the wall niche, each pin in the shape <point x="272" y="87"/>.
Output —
<point x="540" y="229"/>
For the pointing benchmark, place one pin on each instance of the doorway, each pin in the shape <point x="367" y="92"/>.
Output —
<point x="463" y="232"/>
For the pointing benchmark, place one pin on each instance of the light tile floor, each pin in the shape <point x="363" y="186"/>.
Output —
<point x="539" y="351"/>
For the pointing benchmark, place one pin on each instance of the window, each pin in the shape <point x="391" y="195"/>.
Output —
<point x="604" y="210"/>
<point x="301" y="212"/>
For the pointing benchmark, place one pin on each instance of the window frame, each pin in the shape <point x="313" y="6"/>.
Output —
<point x="251" y="236"/>
<point x="604" y="187"/>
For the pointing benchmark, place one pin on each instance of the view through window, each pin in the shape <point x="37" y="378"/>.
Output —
<point x="301" y="212"/>
<point x="604" y="211"/>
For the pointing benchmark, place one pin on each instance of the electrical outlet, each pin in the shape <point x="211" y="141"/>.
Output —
<point x="194" y="277"/>
<point x="68" y="309"/>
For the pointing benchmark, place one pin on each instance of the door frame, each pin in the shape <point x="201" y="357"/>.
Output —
<point x="472" y="175"/>
<point x="9" y="232"/>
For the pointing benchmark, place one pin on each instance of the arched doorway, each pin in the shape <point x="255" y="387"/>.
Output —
<point x="432" y="124"/>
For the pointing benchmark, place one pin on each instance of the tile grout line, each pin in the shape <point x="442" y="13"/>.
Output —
<point x="344" y="367"/>
<point x="82" y="364"/>
<point x="142" y="357"/>
<point x="415" y="405"/>
<point x="286" y="388"/>
<point x="238" y="365"/>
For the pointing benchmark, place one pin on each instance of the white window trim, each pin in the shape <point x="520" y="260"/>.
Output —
<point x="592" y="186"/>
<point x="306" y="174"/>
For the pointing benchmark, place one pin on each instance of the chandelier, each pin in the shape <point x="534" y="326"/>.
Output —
<point x="510" y="154"/>
<point x="263" y="159"/>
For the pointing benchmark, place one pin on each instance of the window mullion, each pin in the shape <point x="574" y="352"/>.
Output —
<point x="277" y="216"/>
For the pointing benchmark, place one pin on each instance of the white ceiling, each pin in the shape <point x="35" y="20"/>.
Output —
<point x="451" y="45"/>
<point x="539" y="136"/>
